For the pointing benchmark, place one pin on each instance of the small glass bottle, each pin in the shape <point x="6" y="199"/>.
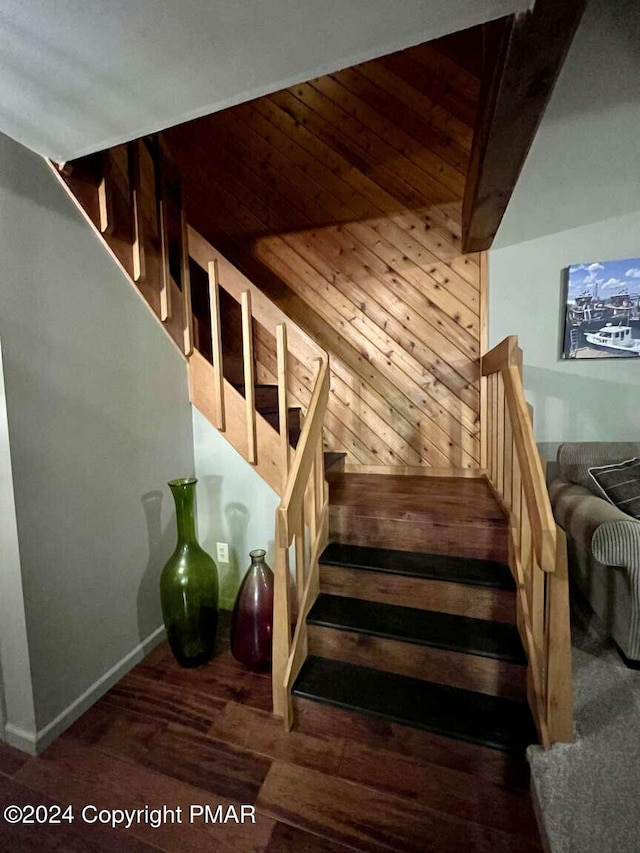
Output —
<point x="252" y="619"/>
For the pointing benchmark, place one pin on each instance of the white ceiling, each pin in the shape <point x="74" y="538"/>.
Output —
<point x="80" y="75"/>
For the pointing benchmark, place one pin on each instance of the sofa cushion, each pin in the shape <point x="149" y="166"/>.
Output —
<point x="620" y="484"/>
<point x="576" y="457"/>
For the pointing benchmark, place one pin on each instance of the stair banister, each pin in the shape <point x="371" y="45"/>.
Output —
<point x="537" y="546"/>
<point x="305" y="486"/>
<point x="302" y="517"/>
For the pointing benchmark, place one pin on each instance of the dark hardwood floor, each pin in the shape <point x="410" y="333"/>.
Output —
<point x="170" y="737"/>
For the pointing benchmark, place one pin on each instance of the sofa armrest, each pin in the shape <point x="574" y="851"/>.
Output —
<point x="617" y="543"/>
<point x="612" y="535"/>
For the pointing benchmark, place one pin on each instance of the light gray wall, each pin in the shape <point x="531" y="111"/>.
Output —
<point x="16" y="695"/>
<point x="574" y="400"/>
<point x="577" y="201"/>
<point x="234" y="503"/>
<point x="584" y="164"/>
<point x="83" y="75"/>
<point x="99" y="420"/>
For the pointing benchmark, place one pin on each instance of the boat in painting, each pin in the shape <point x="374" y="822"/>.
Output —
<point x="615" y="338"/>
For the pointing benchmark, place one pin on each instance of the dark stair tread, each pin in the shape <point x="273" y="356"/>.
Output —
<point x="465" y="570"/>
<point x="491" y="721"/>
<point x="423" y="627"/>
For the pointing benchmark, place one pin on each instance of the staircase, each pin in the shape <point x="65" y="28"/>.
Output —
<point x="412" y="638"/>
<point x="430" y="606"/>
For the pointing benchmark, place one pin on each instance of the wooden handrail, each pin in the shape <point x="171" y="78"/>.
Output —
<point x="537" y="547"/>
<point x="293" y="517"/>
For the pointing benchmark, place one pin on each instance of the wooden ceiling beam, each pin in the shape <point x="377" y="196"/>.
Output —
<point x="523" y="55"/>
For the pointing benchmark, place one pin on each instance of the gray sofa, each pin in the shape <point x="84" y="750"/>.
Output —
<point x="603" y="542"/>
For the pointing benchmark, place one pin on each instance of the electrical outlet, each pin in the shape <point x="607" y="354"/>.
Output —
<point x="222" y="552"/>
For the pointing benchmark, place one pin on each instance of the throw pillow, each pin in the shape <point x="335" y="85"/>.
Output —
<point x="620" y="484"/>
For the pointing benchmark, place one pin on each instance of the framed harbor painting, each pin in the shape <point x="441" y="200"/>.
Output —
<point x="602" y="310"/>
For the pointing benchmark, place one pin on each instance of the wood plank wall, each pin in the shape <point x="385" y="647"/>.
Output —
<point x="341" y="198"/>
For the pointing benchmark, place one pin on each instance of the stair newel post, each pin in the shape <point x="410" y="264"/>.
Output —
<point x="162" y="214"/>
<point x="135" y="189"/>
<point x="185" y="279"/>
<point x="216" y="341"/>
<point x="559" y="684"/>
<point x="249" y="385"/>
<point x="283" y="401"/>
<point x="281" y="619"/>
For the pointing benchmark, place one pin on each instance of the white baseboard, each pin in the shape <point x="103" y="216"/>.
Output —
<point x="35" y="742"/>
<point x="20" y="738"/>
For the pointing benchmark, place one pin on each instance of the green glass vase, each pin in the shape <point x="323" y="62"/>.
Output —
<point x="189" y="586"/>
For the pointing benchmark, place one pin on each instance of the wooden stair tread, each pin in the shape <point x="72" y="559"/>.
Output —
<point x="464" y="570"/>
<point x="491" y="721"/>
<point x="422" y="627"/>
<point x="454" y="500"/>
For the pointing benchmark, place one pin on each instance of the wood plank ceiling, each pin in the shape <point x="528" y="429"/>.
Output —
<point x="341" y="198"/>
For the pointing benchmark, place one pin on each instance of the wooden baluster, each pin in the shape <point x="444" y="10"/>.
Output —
<point x="283" y="400"/>
<point x="163" y="232"/>
<point x="185" y="280"/>
<point x="493" y="426"/>
<point x="105" y="199"/>
<point x="281" y="630"/>
<point x="282" y="643"/>
<point x="320" y="483"/>
<point x="135" y="194"/>
<point x="491" y="458"/>
<point x="537" y="614"/>
<point x="312" y="496"/>
<point x="507" y="494"/>
<point x="516" y="494"/>
<point x="526" y="551"/>
<point x="300" y="560"/>
<point x="216" y="342"/>
<point x="249" y="385"/>
<point x="499" y="484"/>
<point x="559" y="684"/>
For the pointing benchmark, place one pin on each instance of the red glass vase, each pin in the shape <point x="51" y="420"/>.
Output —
<point x="252" y="619"/>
